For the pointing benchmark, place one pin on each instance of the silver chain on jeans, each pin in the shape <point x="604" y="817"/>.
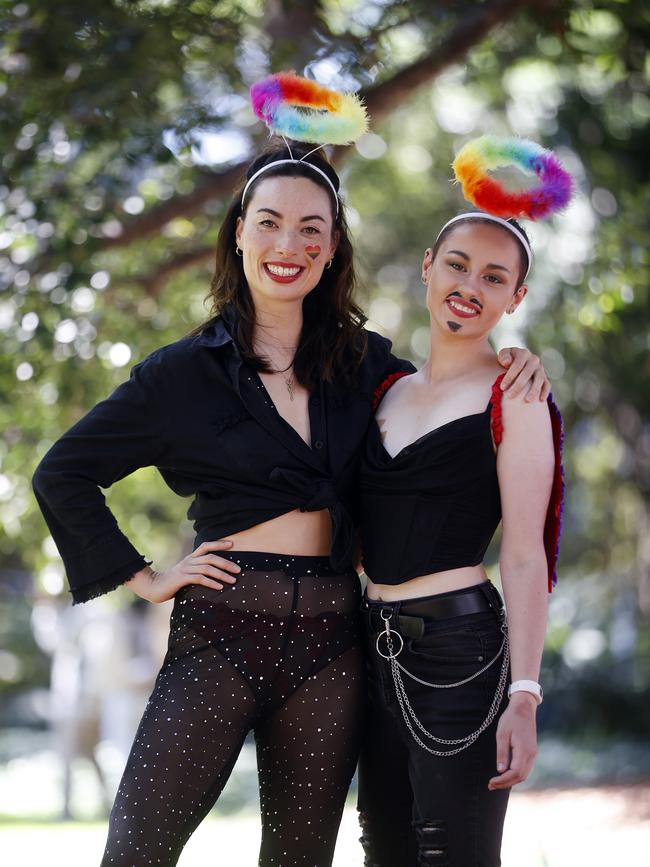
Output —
<point x="409" y="714"/>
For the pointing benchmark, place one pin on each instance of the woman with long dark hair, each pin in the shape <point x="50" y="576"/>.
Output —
<point x="259" y="415"/>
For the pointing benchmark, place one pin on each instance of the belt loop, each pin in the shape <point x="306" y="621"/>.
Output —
<point x="494" y="599"/>
<point x="387" y="607"/>
<point x="391" y="609"/>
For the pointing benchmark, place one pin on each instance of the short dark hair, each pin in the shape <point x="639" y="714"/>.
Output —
<point x="523" y="255"/>
<point x="333" y="339"/>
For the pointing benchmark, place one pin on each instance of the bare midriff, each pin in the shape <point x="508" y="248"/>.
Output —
<point x="307" y="534"/>
<point x="428" y="585"/>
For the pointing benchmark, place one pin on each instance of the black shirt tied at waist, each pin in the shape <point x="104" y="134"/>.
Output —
<point x="199" y="414"/>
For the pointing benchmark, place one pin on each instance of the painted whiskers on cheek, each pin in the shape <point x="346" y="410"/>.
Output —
<point x="313" y="251"/>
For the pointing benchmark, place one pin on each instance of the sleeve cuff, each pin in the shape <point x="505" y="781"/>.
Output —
<point x="97" y="588"/>
<point x="103" y="567"/>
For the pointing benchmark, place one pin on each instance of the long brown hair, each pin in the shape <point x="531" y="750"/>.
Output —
<point x="333" y="340"/>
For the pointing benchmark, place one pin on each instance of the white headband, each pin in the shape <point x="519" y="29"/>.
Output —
<point x="301" y="162"/>
<point x="479" y="215"/>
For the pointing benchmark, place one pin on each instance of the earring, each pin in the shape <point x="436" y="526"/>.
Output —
<point x="424" y="280"/>
<point x="238" y="251"/>
<point x="329" y="264"/>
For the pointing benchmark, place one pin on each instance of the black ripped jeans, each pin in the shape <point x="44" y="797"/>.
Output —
<point x="417" y="808"/>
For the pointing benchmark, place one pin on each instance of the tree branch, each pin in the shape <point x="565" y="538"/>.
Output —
<point x="385" y="97"/>
<point x="154" y="282"/>
<point x="212" y="185"/>
<point x="381" y="100"/>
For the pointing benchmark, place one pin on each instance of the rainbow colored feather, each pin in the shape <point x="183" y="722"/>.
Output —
<point x="487" y="153"/>
<point x="330" y="117"/>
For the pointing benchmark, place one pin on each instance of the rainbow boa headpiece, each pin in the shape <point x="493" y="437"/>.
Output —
<point x="331" y="117"/>
<point x="487" y="153"/>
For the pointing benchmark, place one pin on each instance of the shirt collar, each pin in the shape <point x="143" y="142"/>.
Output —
<point x="221" y="330"/>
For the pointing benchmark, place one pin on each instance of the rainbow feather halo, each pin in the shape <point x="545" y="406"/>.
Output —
<point x="304" y="110"/>
<point x="485" y="154"/>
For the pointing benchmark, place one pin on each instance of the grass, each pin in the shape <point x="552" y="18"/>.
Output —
<point x="550" y="828"/>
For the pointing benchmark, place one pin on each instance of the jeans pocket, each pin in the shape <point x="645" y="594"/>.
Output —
<point x="453" y="648"/>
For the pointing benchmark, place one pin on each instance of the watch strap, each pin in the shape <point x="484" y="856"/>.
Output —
<point x="527" y="686"/>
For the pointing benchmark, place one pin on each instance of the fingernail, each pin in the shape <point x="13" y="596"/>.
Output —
<point x="501" y="766"/>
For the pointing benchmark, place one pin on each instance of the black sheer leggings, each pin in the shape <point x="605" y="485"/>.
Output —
<point x="278" y="653"/>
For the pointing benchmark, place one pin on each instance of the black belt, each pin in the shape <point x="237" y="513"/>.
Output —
<point x="440" y="607"/>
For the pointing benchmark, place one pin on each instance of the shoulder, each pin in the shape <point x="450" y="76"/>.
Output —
<point x="524" y="426"/>
<point x="379" y="361"/>
<point x="162" y="360"/>
<point x="175" y="362"/>
<point x="379" y="347"/>
<point x="518" y="411"/>
<point x="213" y="335"/>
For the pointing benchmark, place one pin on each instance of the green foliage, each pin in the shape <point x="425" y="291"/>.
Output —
<point x="115" y="112"/>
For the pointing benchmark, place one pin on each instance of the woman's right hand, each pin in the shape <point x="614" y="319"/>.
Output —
<point x="200" y="567"/>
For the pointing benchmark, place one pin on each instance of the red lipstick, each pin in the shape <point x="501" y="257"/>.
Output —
<point x="471" y="309"/>
<point x="283" y="277"/>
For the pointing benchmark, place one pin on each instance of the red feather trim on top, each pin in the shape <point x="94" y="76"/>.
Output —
<point x="383" y="387"/>
<point x="554" y="513"/>
<point x="495" y="415"/>
<point x="553" y="526"/>
<point x="305" y="92"/>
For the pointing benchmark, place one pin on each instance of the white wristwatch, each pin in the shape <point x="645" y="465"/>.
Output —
<point x="527" y="686"/>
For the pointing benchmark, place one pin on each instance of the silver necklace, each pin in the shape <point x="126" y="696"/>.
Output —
<point x="289" y="381"/>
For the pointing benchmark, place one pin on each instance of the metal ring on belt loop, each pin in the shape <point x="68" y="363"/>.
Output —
<point x="388" y="632"/>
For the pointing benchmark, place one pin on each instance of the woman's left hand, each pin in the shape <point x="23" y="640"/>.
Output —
<point x="525" y="370"/>
<point x="516" y="741"/>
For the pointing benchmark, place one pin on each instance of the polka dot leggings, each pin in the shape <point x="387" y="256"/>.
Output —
<point x="277" y="653"/>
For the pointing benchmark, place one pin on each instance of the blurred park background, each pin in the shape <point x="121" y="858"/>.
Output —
<point x="123" y="126"/>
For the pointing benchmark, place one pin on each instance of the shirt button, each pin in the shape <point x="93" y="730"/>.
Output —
<point x="318" y="444"/>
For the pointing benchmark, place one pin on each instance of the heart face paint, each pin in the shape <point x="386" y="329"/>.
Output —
<point x="454" y="326"/>
<point x="313" y="251"/>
